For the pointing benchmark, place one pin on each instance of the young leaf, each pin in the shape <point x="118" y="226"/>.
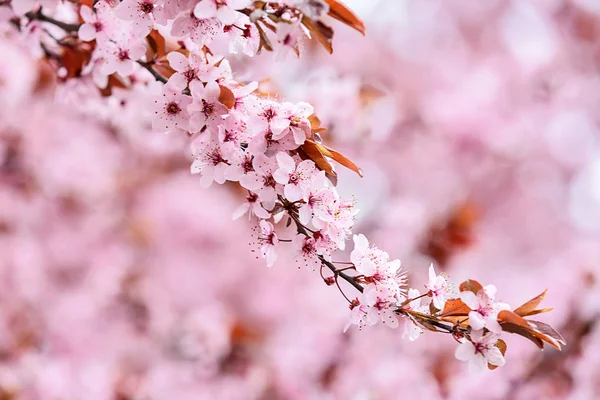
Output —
<point x="551" y="335"/>
<point x="537" y="332"/>
<point x="342" y="13"/>
<point x="471" y="286"/>
<point x="156" y="45"/>
<point x="313" y="151"/>
<point x="529" y="307"/>
<point x="346" y="162"/>
<point x="227" y="97"/>
<point x="455" y="307"/>
<point x="323" y="33"/>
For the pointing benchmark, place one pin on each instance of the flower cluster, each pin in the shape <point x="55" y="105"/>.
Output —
<point x="271" y="149"/>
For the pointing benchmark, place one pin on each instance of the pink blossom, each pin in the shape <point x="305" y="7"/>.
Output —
<point x="206" y="109"/>
<point x="97" y="23"/>
<point x="411" y="329"/>
<point x="306" y="250"/>
<point x="361" y="315"/>
<point x="261" y="180"/>
<point x="295" y="178"/>
<point x="209" y="161"/>
<point x="200" y="31"/>
<point x="251" y="206"/>
<point x="318" y="197"/>
<point x="192" y="68"/>
<point x="121" y="56"/>
<point x="480" y="351"/>
<point x="299" y="125"/>
<point x="268" y="238"/>
<point x="438" y="288"/>
<point x="170" y="110"/>
<point x="224" y="10"/>
<point x="142" y="13"/>
<point x="485" y="311"/>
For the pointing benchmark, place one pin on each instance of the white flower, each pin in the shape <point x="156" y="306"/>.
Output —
<point x="485" y="311"/>
<point x="480" y="351"/>
<point x="438" y="288"/>
<point x="295" y="178"/>
<point x="269" y="240"/>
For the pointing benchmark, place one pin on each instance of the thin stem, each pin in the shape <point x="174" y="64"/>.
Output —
<point x="341" y="291"/>
<point x="38" y="16"/>
<point x="154" y="73"/>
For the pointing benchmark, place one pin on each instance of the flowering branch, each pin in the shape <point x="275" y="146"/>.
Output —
<point x="273" y="150"/>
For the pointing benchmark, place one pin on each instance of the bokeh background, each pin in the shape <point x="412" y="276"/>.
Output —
<point x="477" y="126"/>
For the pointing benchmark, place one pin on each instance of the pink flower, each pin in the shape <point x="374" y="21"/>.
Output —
<point x="266" y="116"/>
<point x="261" y="180"/>
<point x="209" y="161"/>
<point x="337" y="222"/>
<point x="361" y="314"/>
<point x="480" y="351"/>
<point x="121" y="55"/>
<point x="438" y="287"/>
<point x="485" y="311"/>
<point x="246" y="40"/>
<point x="384" y="303"/>
<point x="269" y="240"/>
<point x="224" y="10"/>
<point x="200" y="31"/>
<point x="306" y="249"/>
<point x="299" y="125"/>
<point x="190" y="69"/>
<point x="206" y="109"/>
<point x="412" y="330"/>
<point x="251" y="206"/>
<point x="96" y="23"/>
<point x="143" y="14"/>
<point x="295" y="178"/>
<point x="170" y="110"/>
<point x="317" y="199"/>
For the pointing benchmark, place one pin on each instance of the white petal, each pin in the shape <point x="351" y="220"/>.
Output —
<point x="285" y="161"/>
<point x="205" y="9"/>
<point x="470" y="300"/>
<point x="465" y="351"/>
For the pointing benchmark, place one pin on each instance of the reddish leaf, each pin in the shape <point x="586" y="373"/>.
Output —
<point x="501" y="344"/>
<point x="113" y="82"/>
<point x="537" y="332"/>
<point x="264" y="39"/>
<point x="346" y="162"/>
<point x="156" y="45"/>
<point x="513" y="323"/>
<point x="74" y="59"/>
<point x="551" y="335"/>
<point x="227" y="97"/>
<point x="471" y="286"/>
<point x="455" y="307"/>
<point x="529" y="307"/>
<point x="323" y="33"/>
<point x="313" y="151"/>
<point x="342" y="13"/>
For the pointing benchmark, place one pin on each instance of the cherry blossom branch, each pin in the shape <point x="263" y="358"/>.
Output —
<point x="39" y="16"/>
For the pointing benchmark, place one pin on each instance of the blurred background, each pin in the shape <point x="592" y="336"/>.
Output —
<point x="477" y="126"/>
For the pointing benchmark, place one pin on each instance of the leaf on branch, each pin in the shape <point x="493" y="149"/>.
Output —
<point x="323" y="33"/>
<point x="342" y="13"/>
<point x="553" y="337"/>
<point x="500" y="344"/>
<point x="317" y="152"/>
<point x="114" y="81"/>
<point x="455" y="307"/>
<point x="74" y="58"/>
<point x="227" y="97"/>
<point x="470" y="285"/>
<point x="529" y="308"/>
<point x="537" y="332"/>
<point x="313" y="152"/>
<point x="156" y="45"/>
<point x="264" y="40"/>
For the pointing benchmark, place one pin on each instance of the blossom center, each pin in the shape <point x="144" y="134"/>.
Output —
<point x="173" y="108"/>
